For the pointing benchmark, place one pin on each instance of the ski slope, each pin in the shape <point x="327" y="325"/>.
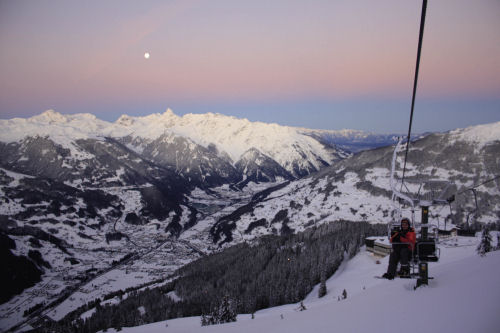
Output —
<point x="463" y="297"/>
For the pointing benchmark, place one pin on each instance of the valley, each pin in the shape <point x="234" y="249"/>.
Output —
<point x="143" y="254"/>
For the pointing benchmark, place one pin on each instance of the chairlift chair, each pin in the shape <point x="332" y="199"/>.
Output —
<point x="430" y="193"/>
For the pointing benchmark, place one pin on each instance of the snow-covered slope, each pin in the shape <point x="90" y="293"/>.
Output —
<point x="462" y="297"/>
<point x="480" y="134"/>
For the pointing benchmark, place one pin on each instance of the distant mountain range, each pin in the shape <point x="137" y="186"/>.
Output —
<point x="354" y="140"/>
<point x="205" y="148"/>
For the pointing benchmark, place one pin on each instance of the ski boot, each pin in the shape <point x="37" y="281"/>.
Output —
<point x="404" y="272"/>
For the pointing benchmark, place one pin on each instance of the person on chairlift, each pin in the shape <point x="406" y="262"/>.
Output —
<point x="403" y="243"/>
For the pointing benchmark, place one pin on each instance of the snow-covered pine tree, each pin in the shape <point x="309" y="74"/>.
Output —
<point x="485" y="244"/>
<point x="204" y="320"/>
<point x="227" y="311"/>
<point x="322" y="285"/>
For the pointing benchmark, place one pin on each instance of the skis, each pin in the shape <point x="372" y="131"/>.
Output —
<point x="397" y="276"/>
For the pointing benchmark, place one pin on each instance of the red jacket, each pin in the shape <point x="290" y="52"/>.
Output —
<point x="409" y="238"/>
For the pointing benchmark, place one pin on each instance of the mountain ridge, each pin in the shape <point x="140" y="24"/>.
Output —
<point x="230" y="135"/>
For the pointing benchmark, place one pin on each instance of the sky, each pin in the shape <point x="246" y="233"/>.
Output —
<point x="325" y="64"/>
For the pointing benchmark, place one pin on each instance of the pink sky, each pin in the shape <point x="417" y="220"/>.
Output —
<point x="83" y="55"/>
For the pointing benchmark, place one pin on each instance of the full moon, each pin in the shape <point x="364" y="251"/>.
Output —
<point x="146" y="55"/>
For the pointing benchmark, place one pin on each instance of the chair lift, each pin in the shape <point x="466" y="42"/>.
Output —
<point x="430" y="193"/>
<point x="426" y="246"/>
<point x="426" y="249"/>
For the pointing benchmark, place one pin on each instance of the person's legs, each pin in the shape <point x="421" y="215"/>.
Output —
<point x="393" y="261"/>
<point x="404" y="258"/>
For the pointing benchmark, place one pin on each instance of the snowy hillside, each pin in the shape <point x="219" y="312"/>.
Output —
<point x="482" y="134"/>
<point x="462" y="297"/>
<point x="358" y="189"/>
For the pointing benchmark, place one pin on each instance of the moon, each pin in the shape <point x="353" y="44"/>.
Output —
<point x="146" y="55"/>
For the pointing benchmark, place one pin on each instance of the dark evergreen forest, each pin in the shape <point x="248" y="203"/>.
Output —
<point x="270" y="271"/>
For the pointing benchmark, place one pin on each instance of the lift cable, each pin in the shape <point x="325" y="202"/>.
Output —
<point x="473" y="187"/>
<point x="420" y="38"/>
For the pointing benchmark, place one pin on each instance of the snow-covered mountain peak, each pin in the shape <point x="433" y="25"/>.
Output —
<point x="169" y="113"/>
<point x="54" y="117"/>
<point x="125" y="120"/>
<point x="251" y="153"/>
<point x="61" y="128"/>
<point x="49" y="116"/>
<point x="163" y="119"/>
<point x="168" y="117"/>
<point x="236" y="135"/>
<point x="215" y="121"/>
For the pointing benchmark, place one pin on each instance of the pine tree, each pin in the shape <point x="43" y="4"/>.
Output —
<point x="485" y="244"/>
<point x="204" y="320"/>
<point x="322" y="285"/>
<point x="344" y="294"/>
<point x="226" y="311"/>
